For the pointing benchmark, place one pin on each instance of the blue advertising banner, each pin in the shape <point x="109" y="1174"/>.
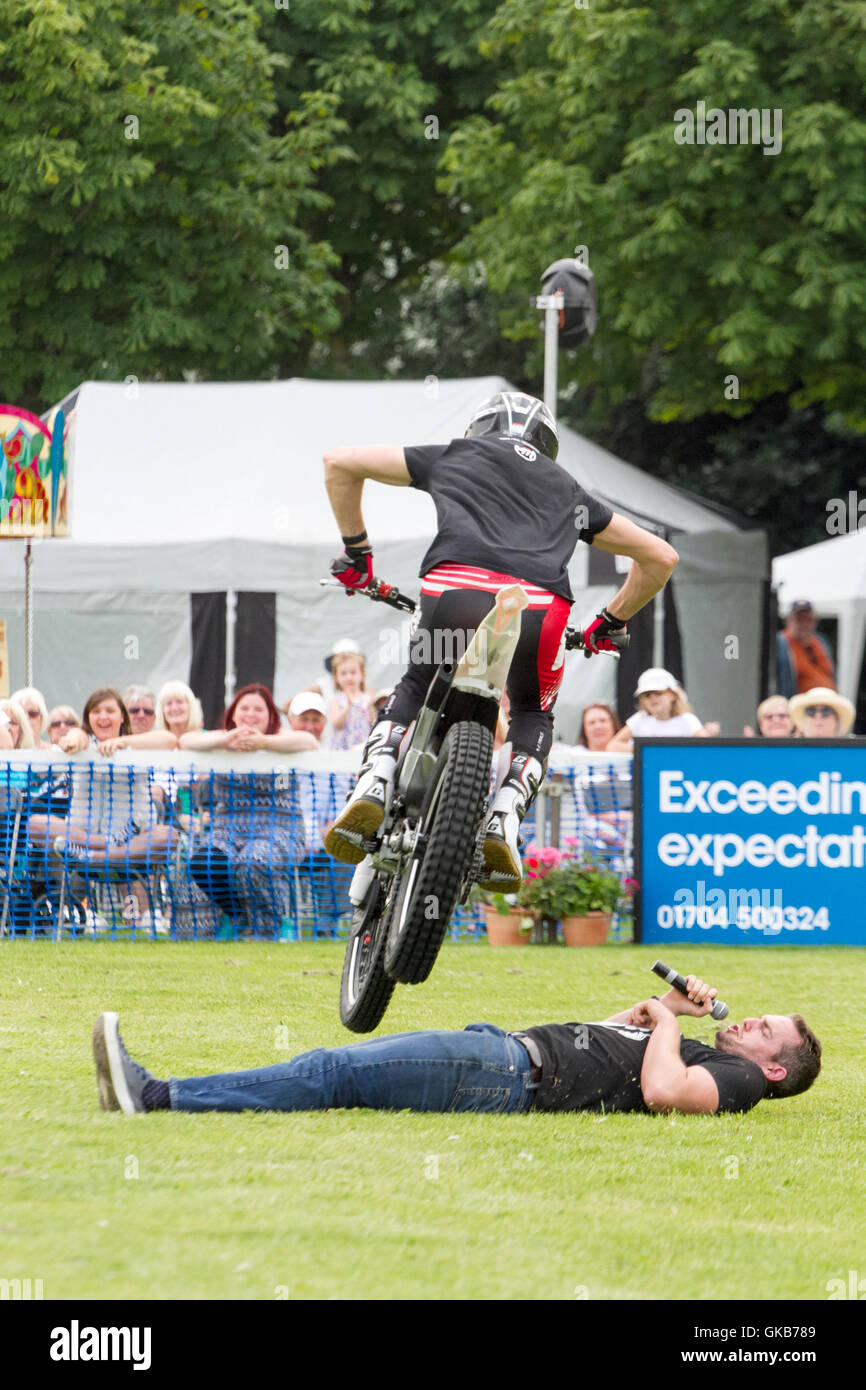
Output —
<point x="751" y="841"/>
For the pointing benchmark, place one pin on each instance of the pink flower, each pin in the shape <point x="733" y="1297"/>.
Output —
<point x="550" y="856"/>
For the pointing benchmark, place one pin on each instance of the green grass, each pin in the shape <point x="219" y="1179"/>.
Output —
<point x="768" y="1205"/>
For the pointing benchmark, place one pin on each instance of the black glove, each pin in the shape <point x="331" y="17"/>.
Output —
<point x="596" y="637"/>
<point x="354" y="568"/>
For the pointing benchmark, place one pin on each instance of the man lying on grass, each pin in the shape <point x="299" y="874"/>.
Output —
<point x="636" y="1060"/>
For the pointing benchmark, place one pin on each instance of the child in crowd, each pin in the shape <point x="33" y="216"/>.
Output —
<point x="350" y="710"/>
<point x="663" y="712"/>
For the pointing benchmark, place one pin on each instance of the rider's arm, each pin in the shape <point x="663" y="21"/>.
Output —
<point x="654" y="563"/>
<point x="345" y="473"/>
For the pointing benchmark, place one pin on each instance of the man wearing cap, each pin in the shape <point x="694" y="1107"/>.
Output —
<point x="307" y="712"/>
<point x="822" y="713"/>
<point x="803" y="659"/>
<point x="322" y="794"/>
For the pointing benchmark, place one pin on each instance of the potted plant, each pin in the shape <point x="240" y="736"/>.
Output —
<point x="507" y="924"/>
<point x="574" y="889"/>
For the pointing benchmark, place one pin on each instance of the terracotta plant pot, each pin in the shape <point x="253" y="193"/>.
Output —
<point x="590" y="930"/>
<point x="503" y="929"/>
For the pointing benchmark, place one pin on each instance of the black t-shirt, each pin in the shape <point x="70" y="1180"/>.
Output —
<point x="504" y="506"/>
<point x="597" y="1066"/>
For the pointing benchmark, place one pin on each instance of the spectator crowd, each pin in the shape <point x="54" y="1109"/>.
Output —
<point x="221" y="847"/>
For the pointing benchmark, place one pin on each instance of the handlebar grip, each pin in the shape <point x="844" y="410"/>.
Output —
<point x="574" y="639"/>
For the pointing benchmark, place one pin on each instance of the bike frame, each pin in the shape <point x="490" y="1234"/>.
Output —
<point x="470" y="690"/>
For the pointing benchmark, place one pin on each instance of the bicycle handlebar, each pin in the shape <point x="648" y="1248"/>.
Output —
<point x="378" y="591"/>
<point x="574" y="640"/>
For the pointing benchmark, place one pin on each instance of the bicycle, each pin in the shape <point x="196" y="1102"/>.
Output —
<point x="428" y="853"/>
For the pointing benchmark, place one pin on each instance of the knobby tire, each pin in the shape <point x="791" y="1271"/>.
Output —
<point x="450" y="818"/>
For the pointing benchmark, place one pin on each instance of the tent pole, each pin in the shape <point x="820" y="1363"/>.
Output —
<point x="231" y="623"/>
<point x="28" y="615"/>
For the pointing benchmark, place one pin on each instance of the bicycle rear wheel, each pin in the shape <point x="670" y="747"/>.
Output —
<point x="429" y="888"/>
<point x="365" y="989"/>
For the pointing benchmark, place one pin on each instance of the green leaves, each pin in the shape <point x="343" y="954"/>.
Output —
<point x="711" y="258"/>
<point x="144" y="193"/>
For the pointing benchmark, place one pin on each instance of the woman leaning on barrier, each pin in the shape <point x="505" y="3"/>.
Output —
<point x="111" y="810"/>
<point x="255" y="830"/>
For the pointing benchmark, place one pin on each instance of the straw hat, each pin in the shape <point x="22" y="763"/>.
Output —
<point x="821" y="695"/>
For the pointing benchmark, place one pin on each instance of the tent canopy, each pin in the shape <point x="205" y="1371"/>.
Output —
<point x="189" y="488"/>
<point x="832" y="575"/>
<point x="211" y="462"/>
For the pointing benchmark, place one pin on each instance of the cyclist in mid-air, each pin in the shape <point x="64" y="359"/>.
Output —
<point x="507" y="513"/>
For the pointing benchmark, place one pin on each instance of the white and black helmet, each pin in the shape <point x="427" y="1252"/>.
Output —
<point x="513" y="415"/>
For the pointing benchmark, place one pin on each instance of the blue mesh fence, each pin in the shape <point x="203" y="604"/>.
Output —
<point x="104" y="848"/>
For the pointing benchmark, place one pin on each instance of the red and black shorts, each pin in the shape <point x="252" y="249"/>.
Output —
<point x="454" y="600"/>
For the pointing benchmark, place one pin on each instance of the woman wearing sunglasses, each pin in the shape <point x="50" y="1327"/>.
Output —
<point x="822" y="713"/>
<point x="773" y="719"/>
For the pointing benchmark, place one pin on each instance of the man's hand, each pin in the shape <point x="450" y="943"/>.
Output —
<point x="596" y="637"/>
<point x="354" y="568"/>
<point x="647" y="1013"/>
<point x="697" y="1003"/>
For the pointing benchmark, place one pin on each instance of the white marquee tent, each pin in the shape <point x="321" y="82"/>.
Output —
<point x="177" y="489"/>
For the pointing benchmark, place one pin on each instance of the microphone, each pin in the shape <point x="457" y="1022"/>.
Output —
<point x="670" y="977"/>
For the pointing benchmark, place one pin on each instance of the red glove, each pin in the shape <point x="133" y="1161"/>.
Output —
<point x="596" y="637"/>
<point x="354" y="568"/>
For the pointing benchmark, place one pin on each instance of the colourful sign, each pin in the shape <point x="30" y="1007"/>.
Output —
<point x="751" y="841"/>
<point x="33" y="474"/>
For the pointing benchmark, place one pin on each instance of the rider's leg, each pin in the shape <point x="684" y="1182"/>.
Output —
<point x="533" y="684"/>
<point x="368" y="804"/>
<point x="446" y="623"/>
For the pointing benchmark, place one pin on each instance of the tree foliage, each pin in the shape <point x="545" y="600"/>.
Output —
<point x="713" y="260"/>
<point x="402" y="75"/>
<point x="144" y="195"/>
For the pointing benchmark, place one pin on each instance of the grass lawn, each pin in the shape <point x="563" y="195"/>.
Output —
<point x="352" y="1204"/>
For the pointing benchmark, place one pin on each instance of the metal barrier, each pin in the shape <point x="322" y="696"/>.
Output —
<point x="203" y="846"/>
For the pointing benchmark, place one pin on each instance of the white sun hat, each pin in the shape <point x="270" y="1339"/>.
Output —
<point x="656" y="678"/>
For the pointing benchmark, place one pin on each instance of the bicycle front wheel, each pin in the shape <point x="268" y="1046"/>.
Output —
<point x="429" y="888"/>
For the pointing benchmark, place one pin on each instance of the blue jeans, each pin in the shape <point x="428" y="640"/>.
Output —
<point x="481" y="1069"/>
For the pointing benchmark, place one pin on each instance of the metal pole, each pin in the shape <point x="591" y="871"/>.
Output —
<point x="659" y="628"/>
<point x="553" y="304"/>
<point x="28" y="615"/>
<point x="231" y="623"/>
